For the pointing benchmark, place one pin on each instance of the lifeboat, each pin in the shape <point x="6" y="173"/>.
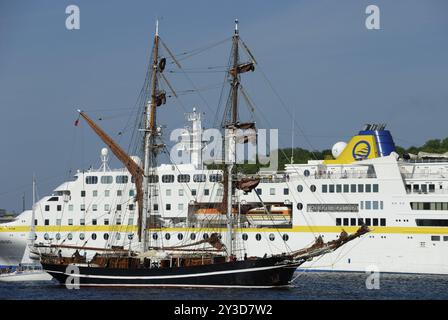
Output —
<point x="276" y="215"/>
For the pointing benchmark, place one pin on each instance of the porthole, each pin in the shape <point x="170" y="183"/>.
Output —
<point x="285" y="237"/>
<point x="82" y="236"/>
<point x="167" y="236"/>
<point x="244" y="236"/>
<point x="118" y="236"/>
<point x="313" y="188"/>
<point x="258" y="237"/>
<point x="306" y="173"/>
<point x="205" y="236"/>
<point x="155" y="236"/>
<point x="46" y="236"/>
<point x="58" y="236"/>
<point x="272" y="237"/>
<point x="193" y="236"/>
<point x="106" y="236"/>
<point x="300" y="188"/>
<point x="180" y="236"/>
<point x="70" y="236"/>
<point x="130" y="236"/>
<point x="93" y="236"/>
<point x="299" y="206"/>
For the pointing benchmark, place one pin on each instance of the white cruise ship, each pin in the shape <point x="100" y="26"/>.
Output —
<point x="404" y="202"/>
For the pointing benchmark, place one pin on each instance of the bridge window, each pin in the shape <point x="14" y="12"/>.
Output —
<point x="91" y="180"/>
<point x="121" y="179"/>
<point x="107" y="179"/>
<point x="153" y="178"/>
<point x="215" y="178"/>
<point x="183" y="178"/>
<point x="199" y="178"/>
<point x="168" y="178"/>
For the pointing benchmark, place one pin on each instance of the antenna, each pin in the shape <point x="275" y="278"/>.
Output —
<point x="292" y="135"/>
<point x="236" y="26"/>
<point x="157" y="27"/>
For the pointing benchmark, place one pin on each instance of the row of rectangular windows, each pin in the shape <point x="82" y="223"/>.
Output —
<point x="166" y="178"/>
<point x="360" y="221"/>
<point x="350" y="188"/>
<point x="332" y="207"/>
<point x="429" y="205"/>
<point x="421" y="188"/>
<point x="372" y="205"/>
<point x="106" y="193"/>
<point x="131" y="207"/>
<point x="272" y="191"/>
<point x="82" y="222"/>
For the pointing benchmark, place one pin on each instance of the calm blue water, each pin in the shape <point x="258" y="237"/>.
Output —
<point x="308" y="286"/>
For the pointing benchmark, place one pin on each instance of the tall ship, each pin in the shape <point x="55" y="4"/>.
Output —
<point x="403" y="201"/>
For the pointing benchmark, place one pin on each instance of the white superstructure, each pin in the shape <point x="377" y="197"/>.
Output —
<point x="405" y="203"/>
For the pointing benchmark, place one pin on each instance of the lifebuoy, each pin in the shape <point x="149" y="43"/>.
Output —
<point x="162" y="64"/>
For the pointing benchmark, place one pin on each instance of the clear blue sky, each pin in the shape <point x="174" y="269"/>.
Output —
<point x="326" y="65"/>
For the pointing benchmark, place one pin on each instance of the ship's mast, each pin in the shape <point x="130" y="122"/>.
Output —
<point x="150" y="147"/>
<point x="32" y="234"/>
<point x="230" y="144"/>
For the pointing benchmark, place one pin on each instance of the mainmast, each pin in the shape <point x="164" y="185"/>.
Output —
<point x="32" y="234"/>
<point x="150" y="135"/>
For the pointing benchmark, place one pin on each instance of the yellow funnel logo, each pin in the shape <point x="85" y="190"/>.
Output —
<point x="361" y="150"/>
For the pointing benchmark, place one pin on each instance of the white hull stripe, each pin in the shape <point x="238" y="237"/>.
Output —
<point x="205" y="274"/>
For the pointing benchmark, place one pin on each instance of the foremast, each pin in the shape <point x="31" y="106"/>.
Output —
<point x="151" y="148"/>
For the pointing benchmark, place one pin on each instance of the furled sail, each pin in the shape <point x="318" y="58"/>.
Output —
<point x="242" y="68"/>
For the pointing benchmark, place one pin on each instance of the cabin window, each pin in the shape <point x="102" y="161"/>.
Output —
<point x="180" y="206"/>
<point x="58" y="222"/>
<point x="53" y="199"/>
<point x="93" y="236"/>
<point x="424" y="188"/>
<point x="91" y="180"/>
<point x="206" y="192"/>
<point x="82" y="222"/>
<point x="83" y="193"/>
<point x="118" y="207"/>
<point x="360" y="188"/>
<point x="331" y="188"/>
<point x="94" y="222"/>
<point x="106" y="222"/>
<point x="313" y="188"/>
<point x="131" y="207"/>
<point x="118" y="222"/>
<point x="156" y="207"/>
<point x="193" y="236"/>
<point x="168" y="206"/>
<point x="181" y="192"/>
<point x="130" y="221"/>
<point x="285" y="191"/>
<point x="272" y="191"/>
<point x="119" y="193"/>
<point x="70" y="222"/>
<point x="107" y="179"/>
<point x="131" y="192"/>
<point x="83" y="207"/>
<point x="299" y="188"/>
<point x="215" y="178"/>
<point x="168" y="178"/>
<point x="180" y="236"/>
<point x="375" y="188"/>
<point x="46" y="236"/>
<point x="360" y="221"/>
<point x="199" y="178"/>
<point x="95" y="193"/>
<point x="94" y="207"/>
<point x="244" y="236"/>
<point x="432" y="222"/>
<point x="345" y="221"/>
<point x="167" y="236"/>
<point x="324" y="188"/>
<point x="106" y="236"/>
<point x="353" y="221"/>
<point x="432" y="187"/>
<point x="368" y="205"/>
<point x="106" y="207"/>
<point x="258" y="237"/>
<point x="339" y="188"/>
<point x="338" y="221"/>
<point x="193" y="192"/>
<point x="353" y="188"/>
<point x="70" y="207"/>
<point x="375" y="205"/>
<point x="82" y="236"/>
<point x="368" y="188"/>
<point x="121" y="179"/>
<point x="368" y="222"/>
<point x="306" y="173"/>
<point x="375" y="222"/>
<point x="445" y="238"/>
<point x="435" y="238"/>
<point x="130" y="236"/>
<point x="183" y="178"/>
<point x="47" y="208"/>
<point x="271" y="237"/>
<point x="118" y="236"/>
<point x="47" y="222"/>
<point x="259" y="191"/>
<point x="346" y="188"/>
<point x="168" y="192"/>
<point x="285" y="237"/>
